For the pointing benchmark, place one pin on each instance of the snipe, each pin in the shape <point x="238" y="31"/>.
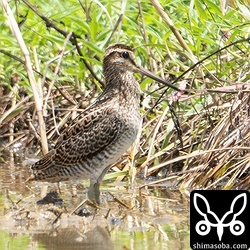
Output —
<point x="104" y="131"/>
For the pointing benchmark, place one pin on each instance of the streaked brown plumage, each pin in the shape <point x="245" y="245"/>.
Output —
<point x="104" y="131"/>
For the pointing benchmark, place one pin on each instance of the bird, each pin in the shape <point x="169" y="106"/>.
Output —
<point x="104" y="131"/>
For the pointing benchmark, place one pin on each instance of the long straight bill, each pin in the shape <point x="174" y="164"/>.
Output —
<point x="156" y="78"/>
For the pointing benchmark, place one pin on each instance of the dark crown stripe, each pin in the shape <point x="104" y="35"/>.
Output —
<point x="117" y="48"/>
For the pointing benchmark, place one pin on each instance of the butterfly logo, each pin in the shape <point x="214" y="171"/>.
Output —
<point x="203" y="227"/>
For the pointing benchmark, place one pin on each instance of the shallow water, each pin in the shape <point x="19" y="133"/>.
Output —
<point x="154" y="218"/>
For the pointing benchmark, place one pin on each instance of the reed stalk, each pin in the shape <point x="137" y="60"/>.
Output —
<point x="36" y="88"/>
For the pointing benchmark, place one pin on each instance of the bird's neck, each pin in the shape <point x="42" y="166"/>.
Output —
<point x="123" y="85"/>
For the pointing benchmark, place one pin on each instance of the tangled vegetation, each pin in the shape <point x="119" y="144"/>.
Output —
<point x="200" y="140"/>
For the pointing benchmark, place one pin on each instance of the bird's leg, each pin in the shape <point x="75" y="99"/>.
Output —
<point x="94" y="191"/>
<point x="94" y="188"/>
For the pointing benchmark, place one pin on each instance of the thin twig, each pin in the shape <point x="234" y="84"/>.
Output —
<point x="73" y="37"/>
<point x="63" y="91"/>
<point x="170" y="24"/>
<point x="145" y="37"/>
<point x="119" y="201"/>
<point x="57" y="69"/>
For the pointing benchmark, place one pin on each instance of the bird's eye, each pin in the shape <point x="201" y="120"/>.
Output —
<point x="125" y="55"/>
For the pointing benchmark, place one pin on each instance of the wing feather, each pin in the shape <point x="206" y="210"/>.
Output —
<point x="91" y="132"/>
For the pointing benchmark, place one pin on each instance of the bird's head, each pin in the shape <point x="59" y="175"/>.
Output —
<point x="120" y="58"/>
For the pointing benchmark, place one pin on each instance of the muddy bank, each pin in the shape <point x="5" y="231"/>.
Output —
<point x="128" y="217"/>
